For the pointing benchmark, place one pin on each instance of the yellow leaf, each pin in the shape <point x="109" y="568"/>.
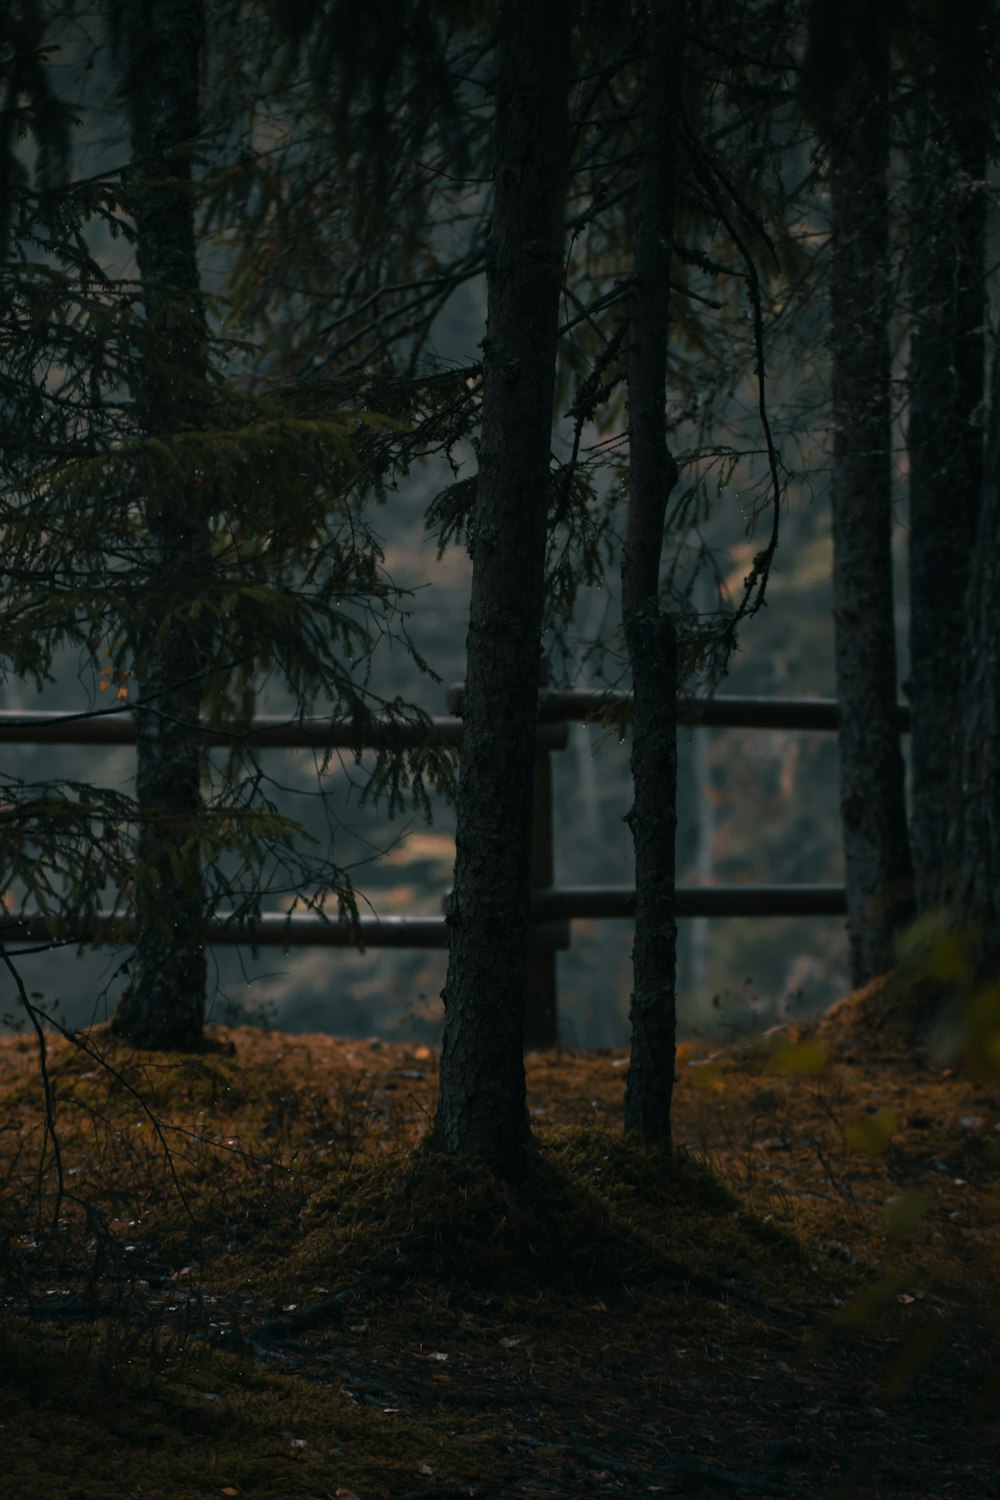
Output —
<point x="904" y="1212"/>
<point x="950" y="958"/>
<point x="871" y="1135"/>
<point x="799" y="1057"/>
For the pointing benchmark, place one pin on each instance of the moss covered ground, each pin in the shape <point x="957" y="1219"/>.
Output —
<point x="243" y="1275"/>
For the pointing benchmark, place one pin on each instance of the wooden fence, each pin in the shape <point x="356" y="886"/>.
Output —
<point x="553" y="908"/>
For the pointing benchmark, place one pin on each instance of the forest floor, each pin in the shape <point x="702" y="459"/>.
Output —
<point x="254" y="1286"/>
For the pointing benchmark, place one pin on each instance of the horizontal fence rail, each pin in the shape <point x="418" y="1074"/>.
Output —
<point x="724" y="711"/>
<point x="270" y="731"/>
<point x="552" y="908"/>
<point x="604" y="901"/>
<point x="300" y="930"/>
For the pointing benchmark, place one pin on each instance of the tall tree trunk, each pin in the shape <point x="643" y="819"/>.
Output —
<point x="872" y="801"/>
<point x="649" y="630"/>
<point x="482" y="1110"/>
<point x="165" y="1003"/>
<point x="947" y="247"/>
<point x="975" y="834"/>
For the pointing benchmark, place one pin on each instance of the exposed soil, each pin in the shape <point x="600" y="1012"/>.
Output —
<point x="294" y="1302"/>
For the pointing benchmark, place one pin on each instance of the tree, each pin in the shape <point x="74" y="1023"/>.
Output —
<point x="482" y="1110"/>
<point x="845" y="86"/>
<point x="177" y="529"/>
<point x="164" y="1005"/>
<point x="974" y="843"/>
<point x="650" y="632"/>
<point x="949" y="130"/>
<point x="965" y="102"/>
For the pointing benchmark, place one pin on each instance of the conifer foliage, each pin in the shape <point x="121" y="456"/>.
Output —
<point x="185" y="534"/>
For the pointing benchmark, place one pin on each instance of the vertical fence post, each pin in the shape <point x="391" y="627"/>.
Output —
<point x="541" y="1013"/>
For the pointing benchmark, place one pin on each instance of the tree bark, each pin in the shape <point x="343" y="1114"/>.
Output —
<point x="974" y="845"/>
<point x="165" y="1003"/>
<point x="649" y="630"/>
<point x="947" y="248"/>
<point x="482" y="1110"/>
<point x="872" y="800"/>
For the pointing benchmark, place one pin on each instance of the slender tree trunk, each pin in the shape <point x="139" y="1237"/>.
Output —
<point x="872" y="801"/>
<point x="704" y="860"/>
<point x="482" y="1110"/>
<point x="947" y="247"/>
<point x="165" y="1003"/>
<point x="649" y="630"/>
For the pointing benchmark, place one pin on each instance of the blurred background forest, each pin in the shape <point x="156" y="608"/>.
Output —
<point x="754" y="805"/>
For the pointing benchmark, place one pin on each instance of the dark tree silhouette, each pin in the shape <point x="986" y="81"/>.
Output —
<point x="482" y="1110"/>
<point x="164" y="1005"/>
<point x="948" y="149"/>
<point x="974" y="842"/>
<point x="846" y="88"/>
<point x="171" y="526"/>
<point x="650" y="632"/>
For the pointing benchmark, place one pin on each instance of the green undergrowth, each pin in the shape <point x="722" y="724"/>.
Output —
<point x="102" y="1414"/>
